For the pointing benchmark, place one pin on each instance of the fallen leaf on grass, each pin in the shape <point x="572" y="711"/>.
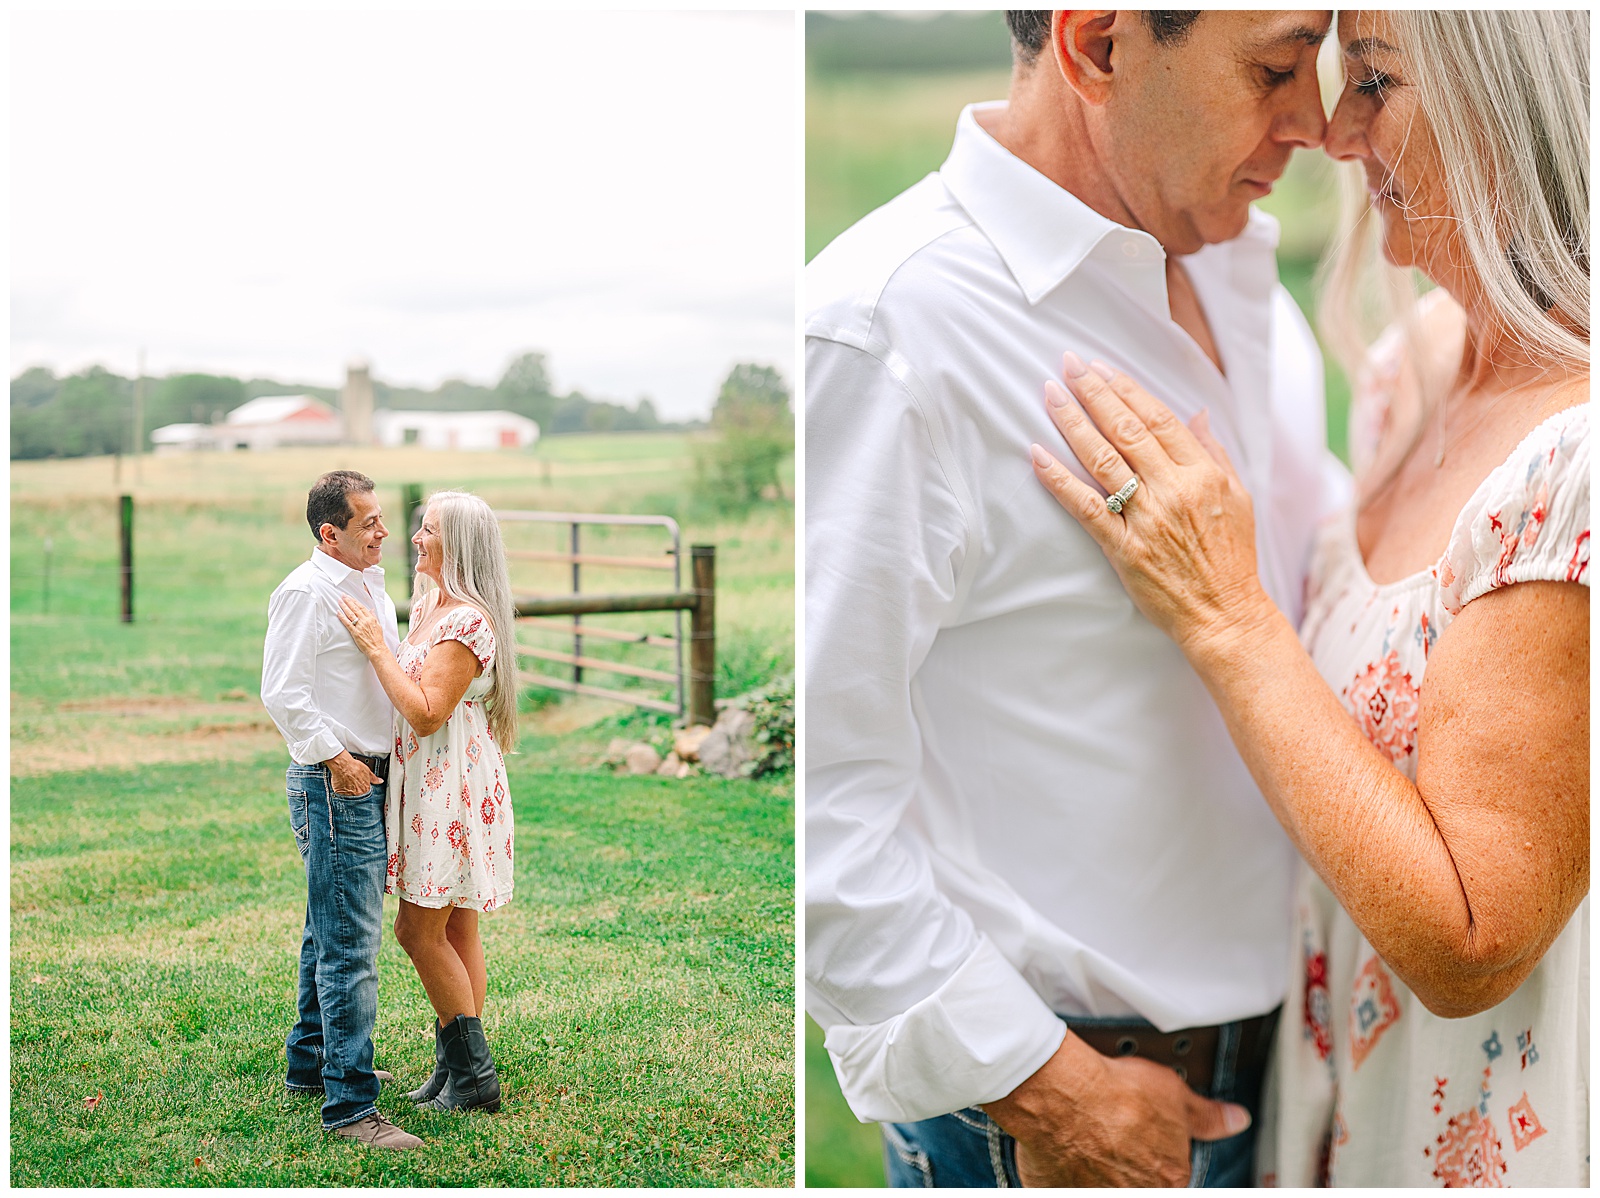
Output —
<point x="90" y="1103"/>
<point x="38" y="979"/>
<point x="198" y="1163"/>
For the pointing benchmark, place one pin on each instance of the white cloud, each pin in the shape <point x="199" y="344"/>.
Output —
<point x="274" y="193"/>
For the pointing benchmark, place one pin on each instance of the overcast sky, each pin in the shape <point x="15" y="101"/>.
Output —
<point x="274" y="194"/>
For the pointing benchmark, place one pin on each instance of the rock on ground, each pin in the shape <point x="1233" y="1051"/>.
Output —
<point x="730" y="743"/>
<point x="642" y="759"/>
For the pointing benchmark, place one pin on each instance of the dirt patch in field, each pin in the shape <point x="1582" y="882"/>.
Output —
<point x="572" y="715"/>
<point x="120" y="731"/>
<point x="125" y="731"/>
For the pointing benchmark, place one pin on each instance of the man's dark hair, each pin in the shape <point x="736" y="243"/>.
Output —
<point x="329" y="500"/>
<point x="1030" y="29"/>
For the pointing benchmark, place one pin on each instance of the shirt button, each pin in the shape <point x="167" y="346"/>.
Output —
<point x="1131" y="248"/>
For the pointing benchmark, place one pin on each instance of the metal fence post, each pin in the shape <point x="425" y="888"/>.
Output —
<point x="127" y="559"/>
<point x="577" y="622"/>
<point x="703" y="635"/>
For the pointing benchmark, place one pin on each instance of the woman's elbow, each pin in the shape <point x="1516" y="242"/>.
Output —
<point x="425" y="724"/>
<point x="1458" y="999"/>
<point x="1473" y="979"/>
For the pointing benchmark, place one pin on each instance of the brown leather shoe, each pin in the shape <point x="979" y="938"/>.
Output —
<point x="377" y="1132"/>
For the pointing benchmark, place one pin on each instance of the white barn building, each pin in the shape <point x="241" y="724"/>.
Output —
<point x="455" y="430"/>
<point x="263" y="423"/>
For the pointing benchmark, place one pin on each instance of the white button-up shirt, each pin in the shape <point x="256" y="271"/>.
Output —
<point x="1020" y="800"/>
<point x="319" y="688"/>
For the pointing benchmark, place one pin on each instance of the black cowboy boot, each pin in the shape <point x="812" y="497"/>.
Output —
<point x="472" y="1084"/>
<point x="425" y="1093"/>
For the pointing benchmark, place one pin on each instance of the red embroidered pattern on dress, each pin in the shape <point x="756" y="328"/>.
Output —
<point x="1384" y="701"/>
<point x="1318" y="1007"/>
<point x="1469" y="1153"/>
<point x="1525" y="1125"/>
<point x="1373" y="1009"/>
<point x="1578" y="565"/>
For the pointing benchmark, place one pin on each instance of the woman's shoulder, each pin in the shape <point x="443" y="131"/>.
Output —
<point x="472" y="627"/>
<point x="1529" y="520"/>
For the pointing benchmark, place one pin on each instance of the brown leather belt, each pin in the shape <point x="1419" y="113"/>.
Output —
<point x="378" y="765"/>
<point x="1191" y="1052"/>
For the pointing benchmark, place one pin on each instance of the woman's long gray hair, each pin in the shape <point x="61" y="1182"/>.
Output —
<point x="474" y="570"/>
<point x="1505" y="95"/>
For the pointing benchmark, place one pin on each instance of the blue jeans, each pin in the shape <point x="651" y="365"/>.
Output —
<point x="967" y="1149"/>
<point x="341" y="841"/>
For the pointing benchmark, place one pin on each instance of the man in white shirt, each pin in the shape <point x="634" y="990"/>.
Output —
<point x="326" y="701"/>
<point x="1031" y="847"/>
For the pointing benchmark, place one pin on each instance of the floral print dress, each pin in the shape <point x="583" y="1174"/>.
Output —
<point x="448" y="817"/>
<point x="1367" y="1086"/>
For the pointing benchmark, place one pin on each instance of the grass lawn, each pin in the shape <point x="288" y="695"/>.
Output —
<point x="839" y="1150"/>
<point x="641" y="1002"/>
<point x="640" y="989"/>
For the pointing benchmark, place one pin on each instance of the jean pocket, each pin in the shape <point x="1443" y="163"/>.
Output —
<point x="364" y="794"/>
<point x="912" y="1158"/>
<point x="300" y="821"/>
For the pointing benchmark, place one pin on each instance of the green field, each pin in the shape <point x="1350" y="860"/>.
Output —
<point x="641" y="982"/>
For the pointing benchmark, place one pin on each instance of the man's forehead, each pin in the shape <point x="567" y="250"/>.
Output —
<point x="1273" y="30"/>
<point x="365" y="505"/>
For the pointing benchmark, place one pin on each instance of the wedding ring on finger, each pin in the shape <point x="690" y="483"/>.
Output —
<point x="1115" y="503"/>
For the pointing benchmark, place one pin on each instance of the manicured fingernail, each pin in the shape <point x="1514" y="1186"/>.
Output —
<point x="1072" y="365"/>
<point x="1055" y="394"/>
<point x="1236" y="1118"/>
<point x="1102" y="369"/>
<point x="1040" y="458"/>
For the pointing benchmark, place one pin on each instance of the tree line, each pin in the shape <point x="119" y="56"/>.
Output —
<point x="91" y="412"/>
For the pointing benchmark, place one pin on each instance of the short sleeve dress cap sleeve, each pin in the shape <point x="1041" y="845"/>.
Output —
<point x="471" y="627"/>
<point x="1529" y="520"/>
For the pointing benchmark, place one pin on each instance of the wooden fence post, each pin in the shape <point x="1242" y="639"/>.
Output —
<point x="127" y="559"/>
<point x="410" y="501"/>
<point x="703" y="636"/>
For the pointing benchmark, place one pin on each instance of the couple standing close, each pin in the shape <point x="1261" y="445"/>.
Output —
<point x="1050" y="919"/>
<point x="398" y="785"/>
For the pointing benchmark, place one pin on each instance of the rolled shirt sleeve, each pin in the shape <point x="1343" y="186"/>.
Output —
<point x="923" y="1015"/>
<point x="288" y="674"/>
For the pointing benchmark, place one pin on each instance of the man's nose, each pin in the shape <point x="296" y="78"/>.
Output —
<point x="1304" y="124"/>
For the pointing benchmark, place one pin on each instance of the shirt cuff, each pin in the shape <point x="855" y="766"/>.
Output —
<point x="975" y="1039"/>
<point x="319" y="748"/>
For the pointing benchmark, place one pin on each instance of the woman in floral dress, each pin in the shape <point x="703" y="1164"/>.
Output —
<point x="1424" y="739"/>
<point x="448" y="816"/>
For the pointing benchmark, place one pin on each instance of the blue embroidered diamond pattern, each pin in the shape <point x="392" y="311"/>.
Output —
<point x="1491" y="1046"/>
<point x="1525" y="1045"/>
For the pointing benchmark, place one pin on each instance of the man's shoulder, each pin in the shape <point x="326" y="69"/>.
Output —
<point x="920" y="229"/>
<point x="302" y="580"/>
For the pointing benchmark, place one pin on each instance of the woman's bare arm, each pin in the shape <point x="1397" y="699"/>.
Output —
<point x="427" y="703"/>
<point x="1460" y="881"/>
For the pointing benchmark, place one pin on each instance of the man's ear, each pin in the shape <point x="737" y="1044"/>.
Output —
<point x="1081" y="42"/>
<point x="328" y="534"/>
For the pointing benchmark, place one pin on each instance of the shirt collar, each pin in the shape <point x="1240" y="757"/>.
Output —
<point x="1042" y="231"/>
<point x="338" y="573"/>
